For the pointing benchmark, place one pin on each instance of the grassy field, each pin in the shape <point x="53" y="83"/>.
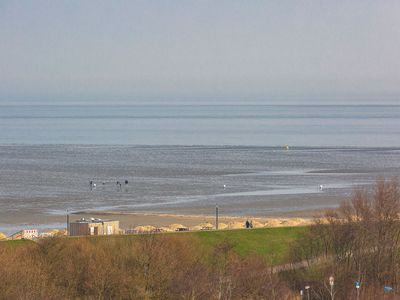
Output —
<point x="273" y="244"/>
<point x="15" y="243"/>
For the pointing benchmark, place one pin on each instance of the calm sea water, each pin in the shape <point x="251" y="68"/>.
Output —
<point x="361" y="126"/>
<point x="178" y="159"/>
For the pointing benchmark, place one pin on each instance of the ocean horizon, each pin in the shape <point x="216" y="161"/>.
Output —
<point x="218" y="125"/>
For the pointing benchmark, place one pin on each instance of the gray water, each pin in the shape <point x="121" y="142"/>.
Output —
<point x="50" y="179"/>
<point x="177" y="159"/>
<point x="256" y="125"/>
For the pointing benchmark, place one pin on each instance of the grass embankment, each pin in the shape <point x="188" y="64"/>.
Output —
<point x="15" y="243"/>
<point x="272" y="244"/>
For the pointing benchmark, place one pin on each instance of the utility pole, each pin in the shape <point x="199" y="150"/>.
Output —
<point x="358" y="286"/>
<point x="216" y="216"/>
<point x="67" y="222"/>
<point x="332" y="283"/>
<point x="307" y="288"/>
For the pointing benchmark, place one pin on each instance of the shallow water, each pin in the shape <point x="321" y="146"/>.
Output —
<point x="177" y="159"/>
<point x="49" y="179"/>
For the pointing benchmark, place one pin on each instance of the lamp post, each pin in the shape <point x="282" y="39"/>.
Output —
<point x="67" y="222"/>
<point x="331" y="284"/>
<point x="357" y="284"/>
<point x="307" y="288"/>
<point x="216" y="216"/>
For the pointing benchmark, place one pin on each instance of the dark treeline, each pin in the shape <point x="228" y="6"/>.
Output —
<point x="358" y="242"/>
<point x="146" y="267"/>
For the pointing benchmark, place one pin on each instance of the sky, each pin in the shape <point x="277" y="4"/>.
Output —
<point x="130" y="52"/>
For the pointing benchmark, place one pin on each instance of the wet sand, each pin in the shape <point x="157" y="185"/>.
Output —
<point x="39" y="183"/>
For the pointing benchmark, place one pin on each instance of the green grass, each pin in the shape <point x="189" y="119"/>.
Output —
<point x="15" y="243"/>
<point x="271" y="243"/>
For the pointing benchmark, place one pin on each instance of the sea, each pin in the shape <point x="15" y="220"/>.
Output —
<point x="263" y="160"/>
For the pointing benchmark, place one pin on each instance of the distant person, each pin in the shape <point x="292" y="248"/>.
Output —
<point x="92" y="184"/>
<point x="247" y="224"/>
<point x="251" y="224"/>
<point x="126" y="181"/>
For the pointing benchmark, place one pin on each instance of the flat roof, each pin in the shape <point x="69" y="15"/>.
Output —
<point x="92" y="221"/>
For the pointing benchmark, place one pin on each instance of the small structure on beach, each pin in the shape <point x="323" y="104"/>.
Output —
<point x="93" y="226"/>
<point x="178" y="227"/>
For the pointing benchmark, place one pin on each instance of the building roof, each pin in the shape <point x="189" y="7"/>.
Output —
<point x="92" y="220"/>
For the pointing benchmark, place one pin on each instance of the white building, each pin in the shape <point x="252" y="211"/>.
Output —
<point x="29" y="234"/>
<point x="93" y="227"/>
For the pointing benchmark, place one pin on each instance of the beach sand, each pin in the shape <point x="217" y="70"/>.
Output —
<point x="194" y="222"/>
<point x="186" y="217"/>
<point x="130" y="220"/>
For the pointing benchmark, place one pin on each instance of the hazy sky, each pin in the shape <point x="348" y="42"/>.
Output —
<point x="199" y="51"/>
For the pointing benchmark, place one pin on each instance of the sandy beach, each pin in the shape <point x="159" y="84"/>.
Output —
<point x="193" y="222"/>
<point x="39" y="219"/>
<point x="166" y="222"/>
